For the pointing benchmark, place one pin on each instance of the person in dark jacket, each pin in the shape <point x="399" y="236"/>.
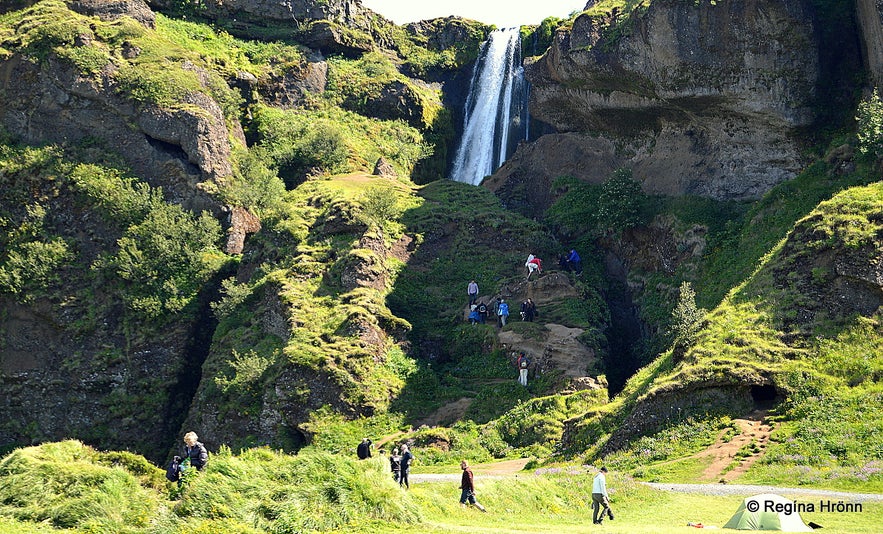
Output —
<point x="528" y="310"/>
<point x="467" y="486"/>
<point x="395" y="464"/>
<point x="405" y="467"/>
<point x="194" y="451"/>
<point x="363" y="451"/>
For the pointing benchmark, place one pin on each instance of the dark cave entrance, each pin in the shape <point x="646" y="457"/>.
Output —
<point x="764" y="396"/>
<point x="626" y="334"/>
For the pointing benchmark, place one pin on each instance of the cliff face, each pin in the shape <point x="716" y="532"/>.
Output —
<point x="176" y="149"/>
<point x="695" y="98"/>
<point x="870" y="21"/>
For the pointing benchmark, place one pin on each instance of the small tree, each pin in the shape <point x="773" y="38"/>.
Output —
<point x="686" y="320"/>
<point x="870" y="125"/>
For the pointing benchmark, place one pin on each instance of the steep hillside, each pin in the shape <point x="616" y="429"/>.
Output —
<point x="167" y="150"/>
<point x="801" y="335"/>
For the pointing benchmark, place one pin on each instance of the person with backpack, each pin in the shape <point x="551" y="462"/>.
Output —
<point x="195" y="454"/>
<point x="395" y="464"/>
<point x="482" y="312"/>
<point x="407" y="459"/>
<point x="467" y="485"/>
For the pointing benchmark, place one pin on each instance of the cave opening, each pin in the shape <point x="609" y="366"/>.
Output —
<point x="764" y="396"/>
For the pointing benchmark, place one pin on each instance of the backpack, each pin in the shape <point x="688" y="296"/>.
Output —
<point x="173" y="472"/>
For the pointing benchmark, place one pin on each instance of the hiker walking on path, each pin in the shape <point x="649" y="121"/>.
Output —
<point x="482" y="312"/>
<point x="472" y="291"/>
<point x="407" y="459"/>
<point x="395" y="464"/>
<point x="503" y="312"/>
<point x="363" y="451"/>
<point x="600" y="498"/>
<point x="528" y="310"/>
<point x="467" y="486"/>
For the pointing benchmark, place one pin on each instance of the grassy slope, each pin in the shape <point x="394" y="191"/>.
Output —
<point x="826" y="367"/>
<point x="73" y="487"/>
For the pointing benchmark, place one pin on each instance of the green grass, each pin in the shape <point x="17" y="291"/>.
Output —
<point x="258" y="490"/>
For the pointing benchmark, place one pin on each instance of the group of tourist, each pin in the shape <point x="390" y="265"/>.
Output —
<point x="195" y="456"/>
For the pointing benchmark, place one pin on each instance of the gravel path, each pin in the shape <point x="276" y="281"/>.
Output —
<point x="745" y="489"/>
<point x="704" y="489"/>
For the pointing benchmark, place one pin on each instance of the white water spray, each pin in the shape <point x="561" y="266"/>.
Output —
<point x="495" y="117"/>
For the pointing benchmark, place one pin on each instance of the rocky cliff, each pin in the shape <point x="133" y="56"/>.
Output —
<point x="870" y="20"/>
<point x="704" y="98"/>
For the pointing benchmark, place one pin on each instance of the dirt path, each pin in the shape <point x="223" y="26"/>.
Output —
<point x="504" y="469"/>
<point x="733" y="455"/>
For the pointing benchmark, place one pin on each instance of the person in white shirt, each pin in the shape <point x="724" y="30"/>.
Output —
<point x="600" y="497"/>
<point x="472" y="291"/>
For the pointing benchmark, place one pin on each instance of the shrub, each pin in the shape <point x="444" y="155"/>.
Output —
<point x="380" y="204"/>
<point x="870" y="125"/>
<point x="165" y="259"/>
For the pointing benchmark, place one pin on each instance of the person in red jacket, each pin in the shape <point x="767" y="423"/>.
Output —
<point x="468" y="487"/>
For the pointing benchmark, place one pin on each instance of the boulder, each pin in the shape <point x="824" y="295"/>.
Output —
<point x="114" y="9"/>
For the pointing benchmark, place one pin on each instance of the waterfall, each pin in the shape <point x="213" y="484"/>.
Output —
<point x="495" y="116"/>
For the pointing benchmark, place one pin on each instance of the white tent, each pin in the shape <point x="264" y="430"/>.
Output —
<point x="768" y="511"/>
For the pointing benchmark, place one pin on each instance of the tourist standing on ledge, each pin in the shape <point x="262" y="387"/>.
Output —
<point x="472" y="291"/>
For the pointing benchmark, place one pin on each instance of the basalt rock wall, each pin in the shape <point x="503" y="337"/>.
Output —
<point x="709" y="99"/>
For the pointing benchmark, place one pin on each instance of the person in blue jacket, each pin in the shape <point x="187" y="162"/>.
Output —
<point x="575" y="262"/>
<point x="503" y="312"/>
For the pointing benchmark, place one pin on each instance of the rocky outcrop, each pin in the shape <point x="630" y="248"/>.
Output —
<point x="175" y="149"/>
<point x="240" y="223"/>
<point x="384" y="167"/>
<point x="293" y="12"/>
<point x="288" y="88"/>
<point x="325" y="25"/>
<point x="114" y="9"/>
<point x="122" y="396"/>
<point x="696" y="98"/>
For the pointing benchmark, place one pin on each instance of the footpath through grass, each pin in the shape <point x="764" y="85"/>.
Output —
<point x="561" y="503"/>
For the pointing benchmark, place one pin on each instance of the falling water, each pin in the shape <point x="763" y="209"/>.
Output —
<point x="495" y="118"/>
